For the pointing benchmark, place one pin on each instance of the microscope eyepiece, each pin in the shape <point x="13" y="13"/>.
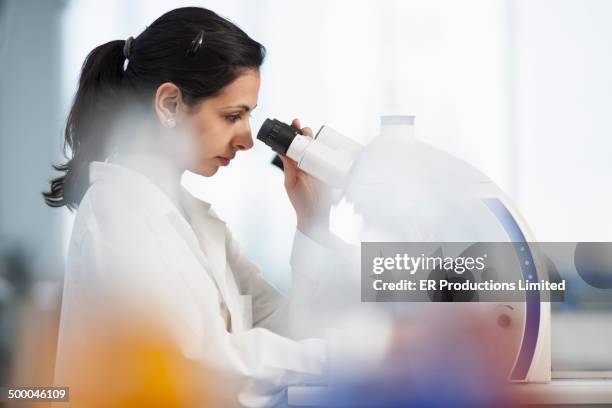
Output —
<point x="327" y="156"/>
<point x="277" y="135"/>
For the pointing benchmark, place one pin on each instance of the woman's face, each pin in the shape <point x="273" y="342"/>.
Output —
<point x="219" y="126"/>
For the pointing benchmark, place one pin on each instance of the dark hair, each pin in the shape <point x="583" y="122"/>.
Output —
<point x="194" y="48"/>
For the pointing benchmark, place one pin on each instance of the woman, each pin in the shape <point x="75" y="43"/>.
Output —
<point x="175" y="98"/>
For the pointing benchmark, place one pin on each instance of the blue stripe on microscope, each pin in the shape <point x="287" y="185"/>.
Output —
<point x="532" y="318"/>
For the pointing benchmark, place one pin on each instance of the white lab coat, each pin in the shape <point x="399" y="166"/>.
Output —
<point x="129" y="238"/>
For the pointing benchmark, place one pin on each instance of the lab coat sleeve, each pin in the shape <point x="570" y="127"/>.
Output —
<point x="270" y="309"/>
<point x="121" y="263"/>
<point x="314" y="268"/>
<point x="325" y="303"/>
<point x="319" y="273"/>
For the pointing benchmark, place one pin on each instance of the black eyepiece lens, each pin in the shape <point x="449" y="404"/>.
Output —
<point x="277" y="135"/>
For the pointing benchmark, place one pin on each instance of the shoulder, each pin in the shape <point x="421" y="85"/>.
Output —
<point x="113" y="242"/>
<point x="104" y="207"/>
<point x="113" y="225"/>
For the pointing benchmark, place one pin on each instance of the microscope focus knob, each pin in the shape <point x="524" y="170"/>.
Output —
<point x="504" y="320"/>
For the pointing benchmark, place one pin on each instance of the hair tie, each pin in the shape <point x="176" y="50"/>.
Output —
<point x="127" y="47"/>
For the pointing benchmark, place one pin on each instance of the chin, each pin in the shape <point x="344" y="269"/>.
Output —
<point x="204" y="169"/>
<point x="207" y="170"/>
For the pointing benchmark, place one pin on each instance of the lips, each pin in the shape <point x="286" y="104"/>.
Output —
<point x="224" y="160"/>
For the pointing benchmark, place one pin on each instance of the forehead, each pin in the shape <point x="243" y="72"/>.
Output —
<point x="242" y="91"/>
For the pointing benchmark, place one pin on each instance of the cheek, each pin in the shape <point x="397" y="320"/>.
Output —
<point x="203" y="137"/>
<point x="213" y="140"/>
<point x="207" y="141"/>
<point x="209" y="136"/>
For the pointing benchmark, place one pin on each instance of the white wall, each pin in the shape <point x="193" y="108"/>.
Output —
<point x="562" y="105"/>
<point x="519" y="88"/>
<point x="341" y="63"/>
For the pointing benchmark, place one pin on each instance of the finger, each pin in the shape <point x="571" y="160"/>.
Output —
<point x="290" y="169"/>
<point x="307" y="132"/>
<point x="296" y="123"/>
<point x="290" y="163"/>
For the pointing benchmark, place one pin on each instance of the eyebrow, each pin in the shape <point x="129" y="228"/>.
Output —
<point x="244" y="107"/>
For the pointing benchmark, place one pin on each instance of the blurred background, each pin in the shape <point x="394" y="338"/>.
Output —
<point x="521" y="89"/>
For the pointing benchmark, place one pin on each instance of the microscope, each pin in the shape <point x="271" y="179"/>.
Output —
<point x="406" y="190"/>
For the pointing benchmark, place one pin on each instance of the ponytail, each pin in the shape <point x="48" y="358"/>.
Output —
<point x="95" y="105"/>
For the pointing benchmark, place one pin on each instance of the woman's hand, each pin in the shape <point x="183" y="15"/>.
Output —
<point x="310" y="198"/>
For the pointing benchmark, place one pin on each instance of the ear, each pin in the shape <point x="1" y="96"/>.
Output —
<point x="169" y="104"/>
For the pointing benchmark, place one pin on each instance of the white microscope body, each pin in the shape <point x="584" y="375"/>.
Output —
<point x="406" y="190"/>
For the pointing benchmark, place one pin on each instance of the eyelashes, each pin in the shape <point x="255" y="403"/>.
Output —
<point x="235" y="117"/>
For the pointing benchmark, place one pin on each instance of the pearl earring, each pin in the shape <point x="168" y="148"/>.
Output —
<point x="170" y="122"/>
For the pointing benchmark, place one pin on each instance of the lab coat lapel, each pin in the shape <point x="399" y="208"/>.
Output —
<point x="210" y="232"/>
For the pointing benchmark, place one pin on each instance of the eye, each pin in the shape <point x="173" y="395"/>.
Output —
<point x="233" y="118"/>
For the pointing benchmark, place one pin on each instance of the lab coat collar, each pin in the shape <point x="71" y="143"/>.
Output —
<point x="133" y="184"/>
<point x="138" y="185"/>
<point x="208" y="228"/>
<point x="195" y="206"/>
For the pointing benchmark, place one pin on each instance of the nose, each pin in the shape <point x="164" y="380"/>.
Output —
<point x="244" y="138"/>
